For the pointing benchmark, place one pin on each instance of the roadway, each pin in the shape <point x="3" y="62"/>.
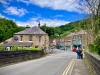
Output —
<point x="54" y="63"/>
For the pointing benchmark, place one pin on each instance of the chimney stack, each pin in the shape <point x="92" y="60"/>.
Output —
<point x="27" y="27"/>
<point x="39" y="24"/>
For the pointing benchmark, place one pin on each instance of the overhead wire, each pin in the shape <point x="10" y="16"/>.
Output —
<point x="67" y="6"/>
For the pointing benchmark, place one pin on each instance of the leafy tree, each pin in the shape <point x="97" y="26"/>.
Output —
<point x="8" y="28"/>
<point x="49" y="30"/>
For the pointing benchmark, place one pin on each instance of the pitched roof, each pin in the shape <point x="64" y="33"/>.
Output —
<point x="80" y="32"/>
<point x="32" y="30"/>
<point x="10" y="44"/>
<point x="9" y="40"/>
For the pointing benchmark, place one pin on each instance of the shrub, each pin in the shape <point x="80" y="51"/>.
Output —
<point x="23" y="48"/>
<point x="14" y="48"/>
<point x="2" y="48"/>
<point x="94" y="48"/>
<point x="35" y="49"/>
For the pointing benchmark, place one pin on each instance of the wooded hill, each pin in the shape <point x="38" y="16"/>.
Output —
<point x="63" y="30"/>
<point x="8" y="28"/>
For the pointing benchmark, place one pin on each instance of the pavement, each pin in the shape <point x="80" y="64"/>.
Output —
<point x="79" y="68"/>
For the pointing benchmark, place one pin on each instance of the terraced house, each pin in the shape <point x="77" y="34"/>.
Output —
<point x="32" y="36"/>
<point x="78" y="39"/>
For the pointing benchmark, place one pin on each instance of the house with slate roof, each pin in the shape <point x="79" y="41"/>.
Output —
<point x="32" y="36"/>
<point x="78" y="39"/>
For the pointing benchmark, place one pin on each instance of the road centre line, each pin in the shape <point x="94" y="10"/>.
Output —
<point x="68" y="67"/>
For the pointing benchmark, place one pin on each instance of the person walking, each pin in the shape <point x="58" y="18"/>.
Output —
<point x="81" y="54"/>
<point x="78" y="53"/>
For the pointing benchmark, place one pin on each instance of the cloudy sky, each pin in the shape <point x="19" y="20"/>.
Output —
<point x="51" y="12"/>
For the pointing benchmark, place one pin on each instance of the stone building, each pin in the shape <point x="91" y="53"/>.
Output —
<point x="78" y="39"/>
<point x="32" y="36"/>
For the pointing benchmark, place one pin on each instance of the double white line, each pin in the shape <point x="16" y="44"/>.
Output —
<point x="68" y="67"/>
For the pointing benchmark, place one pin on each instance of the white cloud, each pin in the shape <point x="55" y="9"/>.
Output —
<point x="34" y="22"/>
<point x="15" y="11"/>
<point x="69" y="5"/>
<point x="4" y="2"/>
<point x="24" y="1"/>
<point x="1" y="16"/>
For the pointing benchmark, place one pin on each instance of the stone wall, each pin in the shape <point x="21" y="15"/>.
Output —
<point x="7" y="57"/>
<point x="93" y="62"/>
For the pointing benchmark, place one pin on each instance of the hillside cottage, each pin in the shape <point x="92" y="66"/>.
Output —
<point x="32" y="36"/>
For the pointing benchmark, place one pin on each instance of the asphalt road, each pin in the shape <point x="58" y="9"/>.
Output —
<point x="53" y="64"/>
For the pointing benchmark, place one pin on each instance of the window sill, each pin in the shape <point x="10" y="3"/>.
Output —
<point x="30" y="41"/>
<point x="20" y="41"/>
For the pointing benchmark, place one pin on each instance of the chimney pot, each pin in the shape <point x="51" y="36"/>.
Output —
<point x="27" y="27"/>
<point x="39" y="24"/>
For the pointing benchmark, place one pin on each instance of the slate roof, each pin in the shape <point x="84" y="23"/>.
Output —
<point x="80" y="32"/>
<point x="26" y="44"/>
<point x="32" y="30"/>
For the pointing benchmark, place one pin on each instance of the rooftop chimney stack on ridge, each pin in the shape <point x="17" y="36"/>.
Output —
<point x="27" y="27"/>
<point x="39" y="24"/>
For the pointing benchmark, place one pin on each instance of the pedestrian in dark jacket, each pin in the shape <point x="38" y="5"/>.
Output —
<point x="78" y="53"/>
<point x="81" y="54"/>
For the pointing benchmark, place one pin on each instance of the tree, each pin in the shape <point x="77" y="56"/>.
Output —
<point x="92" y="9"/>
<point x="49" y="30"/>
<point x="8" y="28"/>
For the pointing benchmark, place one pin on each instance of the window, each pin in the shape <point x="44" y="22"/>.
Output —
<point x="21" y="38"/>
<point x="30" y="38"/>
<point x="39" y="38"/>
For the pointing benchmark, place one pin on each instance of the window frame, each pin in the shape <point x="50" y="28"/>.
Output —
<point x="39" y="38"/>
<point x="30" y="38"/>
<point x="21" y="38"/>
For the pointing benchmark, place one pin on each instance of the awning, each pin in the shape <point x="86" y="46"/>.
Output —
<point x="26" y="44"/>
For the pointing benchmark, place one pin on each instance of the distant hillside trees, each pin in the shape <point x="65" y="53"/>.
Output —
<point x="63" y="30"/>
<point x="93" y="23"/>
<point x="8" y="28"/>
<point x="49" y="30"/>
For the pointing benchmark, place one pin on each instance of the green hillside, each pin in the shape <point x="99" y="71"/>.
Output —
<point x="8" y="28"/>
<point x="68" y="28"/>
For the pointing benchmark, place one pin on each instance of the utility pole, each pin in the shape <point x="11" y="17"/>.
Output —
<point x="45" y="37"/>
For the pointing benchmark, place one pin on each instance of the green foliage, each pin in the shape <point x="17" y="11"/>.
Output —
<point x="2" y="48"/>
<point x="22" y="48"/>
<point x="64" y="34"/>
<point x="49" y="30"/>
<point x="35" y="49"/>
<point x="16" y="48"/>
<point x="8" y="28"/>
<point x="63" y="30"/>
<point x="94" y="48"/>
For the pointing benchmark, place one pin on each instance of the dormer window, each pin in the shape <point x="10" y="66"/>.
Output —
<point x="30" y="38"/>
